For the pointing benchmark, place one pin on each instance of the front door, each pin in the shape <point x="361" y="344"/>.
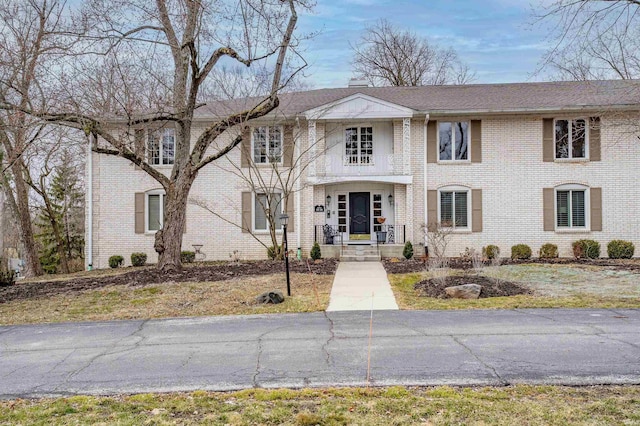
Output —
<point x="359" y="213"/>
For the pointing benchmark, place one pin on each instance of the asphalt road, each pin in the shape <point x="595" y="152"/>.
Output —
<point x="497" y="347"/>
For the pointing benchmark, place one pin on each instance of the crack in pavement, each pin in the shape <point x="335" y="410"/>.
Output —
<point x="332" y="336"/>
<point x="109" y="350"/>
<point x="188" y="360"/>
<point x="254" y="381"/>
<point x="490" y="367"/>
<point x="534" y="315"/>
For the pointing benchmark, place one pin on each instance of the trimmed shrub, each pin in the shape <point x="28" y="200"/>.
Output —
<point x="7" y="278"/>
<point x="187" y="256"/>
<point x="586" y="249"/>
<point x="138" y="259"/>
<point x="407" y="252"/>
<point x="491" y="251"/>
<point x="271" y="253"/>
<point x="315" y="251"/>
<point x="548" y="251"/>
<point x="116" y="261"/>
<point x="620" y="249"/>
<point x="520" y="251"/>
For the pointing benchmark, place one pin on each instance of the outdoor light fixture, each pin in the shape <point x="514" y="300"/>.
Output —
<point x="390" y="200"/>
<point x="328" y="200"/>
<point x="284" y="220"/>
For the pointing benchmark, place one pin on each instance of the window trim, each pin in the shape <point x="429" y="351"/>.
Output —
<point x="457" y="188"/>
<point x="587" y="208"/>
<point x="146" y="210"/>
<point x="359" y="155"/>
<point x="160" y="131"/>
<point x="253" y="212"/>
<point x="453" y="146"/>
<point x="268" y="156"/>
<point x="571" y="158"/>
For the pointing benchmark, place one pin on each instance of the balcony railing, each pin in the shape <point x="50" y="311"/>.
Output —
<point x="358" y="165"/>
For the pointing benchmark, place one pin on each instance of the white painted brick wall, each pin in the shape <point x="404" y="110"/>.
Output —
<point x="511" y="176"/>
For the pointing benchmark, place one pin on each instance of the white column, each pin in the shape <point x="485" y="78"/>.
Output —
<point x="406" y="146"/>
<point x="312" y="147"/>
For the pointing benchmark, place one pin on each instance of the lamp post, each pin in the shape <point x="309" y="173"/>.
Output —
<point x="284" y="219"/>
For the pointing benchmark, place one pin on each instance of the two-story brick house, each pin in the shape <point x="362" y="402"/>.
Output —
<point x="501" y="164"/>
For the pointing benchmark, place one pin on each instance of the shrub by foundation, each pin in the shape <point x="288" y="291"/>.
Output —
<point x="520" y="251"/>
<point x="620" y="249"/>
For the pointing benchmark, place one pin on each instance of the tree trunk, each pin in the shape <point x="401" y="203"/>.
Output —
<point x="168" y="243"/>
<point x="31" y="261"/>
<point x="55" y="227"/>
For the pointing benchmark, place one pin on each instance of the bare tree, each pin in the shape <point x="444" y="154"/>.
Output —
<point x="26" y="42"/>
<point x="168" y="49"/>
<point x="273" y="175"/>
<point x="387" y="55"/>
<point x="593" y="39"/>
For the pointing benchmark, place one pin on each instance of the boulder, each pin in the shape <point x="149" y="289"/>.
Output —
<point x="465" y="291"/>
<point x="274" y="297"/>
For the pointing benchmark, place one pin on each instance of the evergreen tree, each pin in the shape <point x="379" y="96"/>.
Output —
<point x="61" y="218"/>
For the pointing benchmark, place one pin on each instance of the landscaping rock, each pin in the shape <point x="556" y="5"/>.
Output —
<point x="274" y="297"/>
<point x="465" y="291"/>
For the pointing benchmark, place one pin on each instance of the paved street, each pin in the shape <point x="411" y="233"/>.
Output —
<point x="496" y="347"/>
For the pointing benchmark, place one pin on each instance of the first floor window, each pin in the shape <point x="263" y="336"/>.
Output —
<point x="155" y="211"/>
<point x="454" y="211"/>
<point x="570" y="208"/>
<point x="161" y="146"/>
<point x="453" y="139"/>
<point x="359" y="145"/>
<point x="267" y="206"/>
<point x="267" y="144"/>
<point x="571" y="138"/>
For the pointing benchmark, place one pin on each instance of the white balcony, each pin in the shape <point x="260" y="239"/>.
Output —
<point x="369" y="165"/>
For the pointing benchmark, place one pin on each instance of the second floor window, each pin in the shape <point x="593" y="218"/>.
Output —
<point x="161" y="146"/>
<point x="267" y="144"/>
<point x="571" y="138"/>
<point x="359" y="145"/>
<point x="453" y="140"/>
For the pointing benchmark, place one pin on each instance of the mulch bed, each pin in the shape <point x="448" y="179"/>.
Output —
<point x="490" y="287"/>
<point x="417" y="265"/>
<point x="151" y="276"/>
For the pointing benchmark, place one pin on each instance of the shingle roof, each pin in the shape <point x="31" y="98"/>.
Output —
<point x="461" y="98"/>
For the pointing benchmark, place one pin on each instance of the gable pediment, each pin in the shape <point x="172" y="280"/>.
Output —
<point x="358" y="106"/>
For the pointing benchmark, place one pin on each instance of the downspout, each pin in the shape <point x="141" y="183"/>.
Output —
<point x="424" y="182"/>
<point x="89" y="201"/>
<point x="297" y="201"/>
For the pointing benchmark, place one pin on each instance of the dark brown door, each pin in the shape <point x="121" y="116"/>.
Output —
<point x="359" y="212"/>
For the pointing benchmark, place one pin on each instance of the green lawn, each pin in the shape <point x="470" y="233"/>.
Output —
<point x="522" y="405"/>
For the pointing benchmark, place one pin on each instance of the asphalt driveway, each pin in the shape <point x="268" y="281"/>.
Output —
<point x="493" y="347"/>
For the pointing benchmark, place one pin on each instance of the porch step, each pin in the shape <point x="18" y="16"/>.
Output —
<point x="360" y="254"/>
<point x="364" y="258"/>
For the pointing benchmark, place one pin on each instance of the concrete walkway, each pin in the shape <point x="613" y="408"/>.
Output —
<point x="361" y="286"/>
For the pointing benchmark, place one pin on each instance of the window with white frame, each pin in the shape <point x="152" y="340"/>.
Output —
<point x="571" y="138"/>
<point x="265" y="206"/>
<point x="453" y="141"/>
<point x="161" y="146"/>
<point x="267" y="144"/>
<point x="359" y="145"/>
<point x="571" y="207"/>
<point x="453" y="208"/>
<point x="154" y="217"/>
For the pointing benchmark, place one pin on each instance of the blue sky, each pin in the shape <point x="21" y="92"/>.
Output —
<point x="495" y="37"/>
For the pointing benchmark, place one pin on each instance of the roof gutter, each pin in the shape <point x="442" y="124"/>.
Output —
<point x="549" y="110"/>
